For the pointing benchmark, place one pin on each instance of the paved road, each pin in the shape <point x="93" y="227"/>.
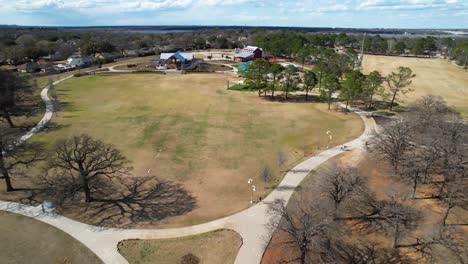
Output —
<point x="250" y="223"/>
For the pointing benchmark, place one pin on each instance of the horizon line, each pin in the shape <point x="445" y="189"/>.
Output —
<point x="234" y="25"/>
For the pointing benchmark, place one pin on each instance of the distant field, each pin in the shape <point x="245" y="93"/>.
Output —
<point x="25" y="240"/>
<point x="211" y="248"/>
<point x="209" y="139"/>
<point x="433" y="76"/>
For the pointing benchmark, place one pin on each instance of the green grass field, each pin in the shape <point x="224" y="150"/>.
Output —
<point x="25" y="240"/>
<point x="211" y="248"/>
<point x="209" y="139"/>
<point x="433" y="76"/>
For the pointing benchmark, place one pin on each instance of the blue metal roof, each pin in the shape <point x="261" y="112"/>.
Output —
<point x="244" y="54"/>
<point x="178" y="55"/>
<point x="244" y="66"/>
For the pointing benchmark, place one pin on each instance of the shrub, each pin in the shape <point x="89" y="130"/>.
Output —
<point x="79" y="74"/>
<point x="266" y="174"/>
<point x="240" y="87"/>
<point x="189" y="259"/>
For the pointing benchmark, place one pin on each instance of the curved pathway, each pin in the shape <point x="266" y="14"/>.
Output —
<point x="251" y="223"/>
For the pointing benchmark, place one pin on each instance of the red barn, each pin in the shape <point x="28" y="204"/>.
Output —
<point x="249" y="53"/>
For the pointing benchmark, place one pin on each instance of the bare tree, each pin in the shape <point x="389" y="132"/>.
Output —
<point x="398" y="82"/>
<point x="390" y="215"/>
<point x="338" y="183"/>
<point x="455" y="195"/>
<point x="443" y="237"/>
<point x="429" y="110"/>
<point x="357" y="252"/>
<point x="306" y="228"/>
<point x="392" y="142"/>
<point x="87" y="159"/>
<point x="14" y="156"/>
<point x="419" y="165"/>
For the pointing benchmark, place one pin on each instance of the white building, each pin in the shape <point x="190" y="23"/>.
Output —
<point x="80" y="61"/>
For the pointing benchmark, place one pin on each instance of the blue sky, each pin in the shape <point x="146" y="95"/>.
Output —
<point x="306" y="13"/>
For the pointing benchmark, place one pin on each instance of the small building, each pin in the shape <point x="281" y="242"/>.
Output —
<point x="131" y="53"/>
<point x="181" y="60"/>
<point x="44" y="59"/>
<point x="48" y="67"/>
<point x="81" y="61"/>
<point x="109" y="56"/>
<point x="29" y="67"/>
<point x="249" y="53"/>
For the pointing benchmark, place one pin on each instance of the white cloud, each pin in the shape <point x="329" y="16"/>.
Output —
<point x="103" y="5"/>
<point x="407" y="4"/>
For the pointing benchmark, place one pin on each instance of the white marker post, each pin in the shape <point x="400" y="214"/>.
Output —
<point x="250" y="181"/>
<point x="253" y="190"/>
<point x="330" y="137"/>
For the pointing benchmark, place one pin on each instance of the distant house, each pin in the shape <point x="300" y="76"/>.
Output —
<point x="81" y="61"/>
<point x="44" y="59"/>
<point x="109" y="56"/>
<point x="249" y="53"/>
<point x="29" y="67"/>
<point x="48" y="67"/>
<point x="131" y="53"/>
<point x="139" y="53"/>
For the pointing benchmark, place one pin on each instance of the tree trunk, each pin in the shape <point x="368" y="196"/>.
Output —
<point x="320" y="81"/>
<point x="5" y="174"/>
<point x="307" y="94"/>
<point x="7" y="116"/>
<point x="370" y="101"/>
<point x="393" y="100"/>
<point x="303" y="249"/>
<point x="272" y="94"/>
<point x="303" y="257"/>
<point x="346" y="109"/>
<point x="444" y="220"/>
<point x="329" y="101"/>
<point x="87" y="192"/>
<point x="396" y="234"/>
<point x="415" y="185"/>
<point x="85" y="184"/>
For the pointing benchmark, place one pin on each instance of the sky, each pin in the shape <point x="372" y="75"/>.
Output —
<point x="300" y="13"/>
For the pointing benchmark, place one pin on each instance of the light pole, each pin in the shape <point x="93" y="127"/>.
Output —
<point x="330" y="137"/>
<point x="250" y="181"/>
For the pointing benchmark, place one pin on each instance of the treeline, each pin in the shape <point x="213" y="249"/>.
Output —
<point x="18" y="45"/>
<point x="299" y="44"/>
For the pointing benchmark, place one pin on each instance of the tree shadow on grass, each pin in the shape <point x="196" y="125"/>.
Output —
<point x="53" y="126"/>
<point x="124" y="202"/>
<point x="292" y="98"/>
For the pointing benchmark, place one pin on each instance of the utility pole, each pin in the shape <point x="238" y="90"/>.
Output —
<point x="358" y="64"/>
<point x="362" y="47"/>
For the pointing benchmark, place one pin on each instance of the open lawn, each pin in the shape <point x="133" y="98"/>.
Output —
<point x="433" y="76"/>
<point x="39" y="81"/>
<point x="25" y="240"/>
<point x="211" y="248"/>
<point x="189" y="129"/>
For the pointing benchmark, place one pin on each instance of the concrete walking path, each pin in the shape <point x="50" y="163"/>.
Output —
<point x="251" y="223"/>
